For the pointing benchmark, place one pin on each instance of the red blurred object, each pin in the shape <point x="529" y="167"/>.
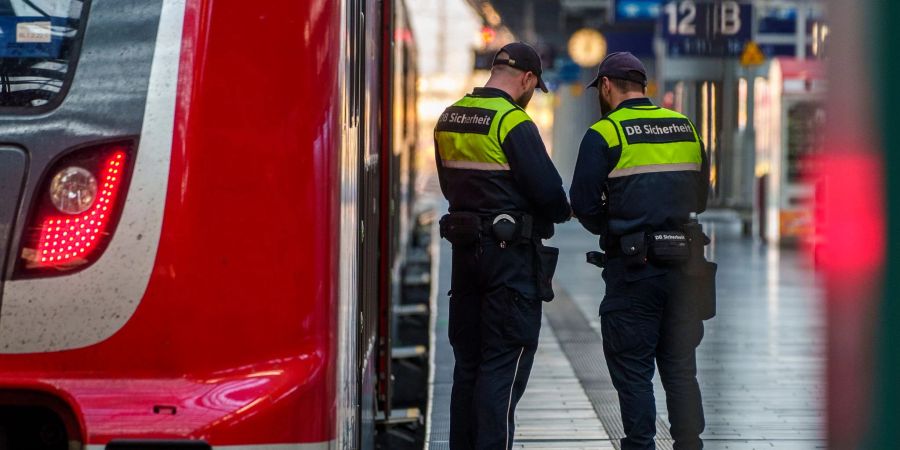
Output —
<point x="488" y="35"/>
<point x="802" y="69"/>
<point x="403" y="35"/>
<point x="850" y="251"/>
<point x="67" y="240"/>
<point x="849" y="215"/>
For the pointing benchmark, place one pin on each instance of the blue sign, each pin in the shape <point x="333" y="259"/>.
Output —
<point x="706" y="28"/>
<point x="777" y="20"/>
<point x="638" y="42"/>
<point x="569" y="72"/>
<point x="638" y="10"/>
<point x="31" y="37"/>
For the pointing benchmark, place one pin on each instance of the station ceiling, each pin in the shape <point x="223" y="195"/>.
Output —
<point x="549" y="22"/>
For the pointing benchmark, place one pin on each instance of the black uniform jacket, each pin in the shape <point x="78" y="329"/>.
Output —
<point x="658" y="201"/>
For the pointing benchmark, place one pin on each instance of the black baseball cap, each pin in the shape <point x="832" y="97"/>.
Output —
<point x="621" y="65"/>
<point x="523" y="57"/>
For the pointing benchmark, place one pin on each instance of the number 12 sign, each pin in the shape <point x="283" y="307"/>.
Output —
<point x="706" y="28"/>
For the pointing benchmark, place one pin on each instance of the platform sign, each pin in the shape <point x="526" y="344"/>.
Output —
<point x="31" y="37"/>
<point x="706" y="27"/>
<point x="638" y="10"/>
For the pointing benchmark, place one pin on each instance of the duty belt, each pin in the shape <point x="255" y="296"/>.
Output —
<point x="464" y="228"/>
<point x="662" y="247"/>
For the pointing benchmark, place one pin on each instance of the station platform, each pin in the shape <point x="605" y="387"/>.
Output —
<point x="761" y="362"/>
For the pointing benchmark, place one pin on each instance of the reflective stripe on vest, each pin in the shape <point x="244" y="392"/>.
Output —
<point x="653" y="140"/>
<point x="470" y="134"/>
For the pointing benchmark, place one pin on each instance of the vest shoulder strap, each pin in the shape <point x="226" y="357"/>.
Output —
<point x="607" y="129"/>
<point x="509" y="120"/>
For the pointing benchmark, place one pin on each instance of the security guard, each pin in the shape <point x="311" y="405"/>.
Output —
<point x="641" y="173"/>
<point x="505" y="195"/>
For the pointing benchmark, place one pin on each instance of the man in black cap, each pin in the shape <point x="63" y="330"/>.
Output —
<point x="641" y="175"/>
<point x="505" y="195"/>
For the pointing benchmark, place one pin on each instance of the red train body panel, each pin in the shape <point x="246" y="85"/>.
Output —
<point x="235" y="338"/>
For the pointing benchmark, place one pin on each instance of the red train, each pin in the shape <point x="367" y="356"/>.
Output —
<point x="204" y="212"/>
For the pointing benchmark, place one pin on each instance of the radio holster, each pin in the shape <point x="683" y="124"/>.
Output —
<point x="701" y="274"/>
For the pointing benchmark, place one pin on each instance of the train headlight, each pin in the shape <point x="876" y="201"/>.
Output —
<point x="73" y="190"/>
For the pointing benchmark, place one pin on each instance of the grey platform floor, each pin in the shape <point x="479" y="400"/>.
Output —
<point x="760" y="362"/>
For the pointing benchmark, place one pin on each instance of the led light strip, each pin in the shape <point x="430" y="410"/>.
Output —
<point x="70" y="240"/>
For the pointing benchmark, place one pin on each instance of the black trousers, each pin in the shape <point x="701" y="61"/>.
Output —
<point x="645" y="320"/>
<point x="495" y="321"/>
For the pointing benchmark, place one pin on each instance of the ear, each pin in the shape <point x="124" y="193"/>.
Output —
<point x="526" y="80"/>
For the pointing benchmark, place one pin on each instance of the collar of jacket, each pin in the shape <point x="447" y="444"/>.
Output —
<point x="632" y="102"/>
<point x="491" y="92"/>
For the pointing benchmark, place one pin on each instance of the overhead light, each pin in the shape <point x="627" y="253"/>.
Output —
<point x="587" y="47"/>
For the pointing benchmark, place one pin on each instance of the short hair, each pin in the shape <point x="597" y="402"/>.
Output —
<point x="504" y="68"/>
<point x="626" y="86"/>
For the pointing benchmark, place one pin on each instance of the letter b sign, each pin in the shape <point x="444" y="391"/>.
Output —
<point x="731" y="18"/>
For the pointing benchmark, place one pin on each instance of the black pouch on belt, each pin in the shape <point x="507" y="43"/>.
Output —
<point x="634" y="248"/>
<point x="668" y="247"/>
<point x="547" y="258"/>
<point x="700" y="289"/>
<point x="462" y="229"/>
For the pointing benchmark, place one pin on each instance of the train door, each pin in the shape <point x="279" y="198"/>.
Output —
<point x="380" y="226"/>
<point x="370" y="53"/>
<point x="351" y="256"/>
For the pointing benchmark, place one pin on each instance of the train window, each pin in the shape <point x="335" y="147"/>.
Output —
<point x="360" y="60"/>
<point x="356" y="22"/>
<point x="39" y="42"/>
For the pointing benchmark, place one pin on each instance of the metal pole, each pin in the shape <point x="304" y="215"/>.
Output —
<point x="442" y="32"/>
<point x="528" y="18"/>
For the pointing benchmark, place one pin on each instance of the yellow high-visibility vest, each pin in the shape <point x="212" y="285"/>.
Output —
<point x="653" y="139"/>
<point x="470" y="133"/>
